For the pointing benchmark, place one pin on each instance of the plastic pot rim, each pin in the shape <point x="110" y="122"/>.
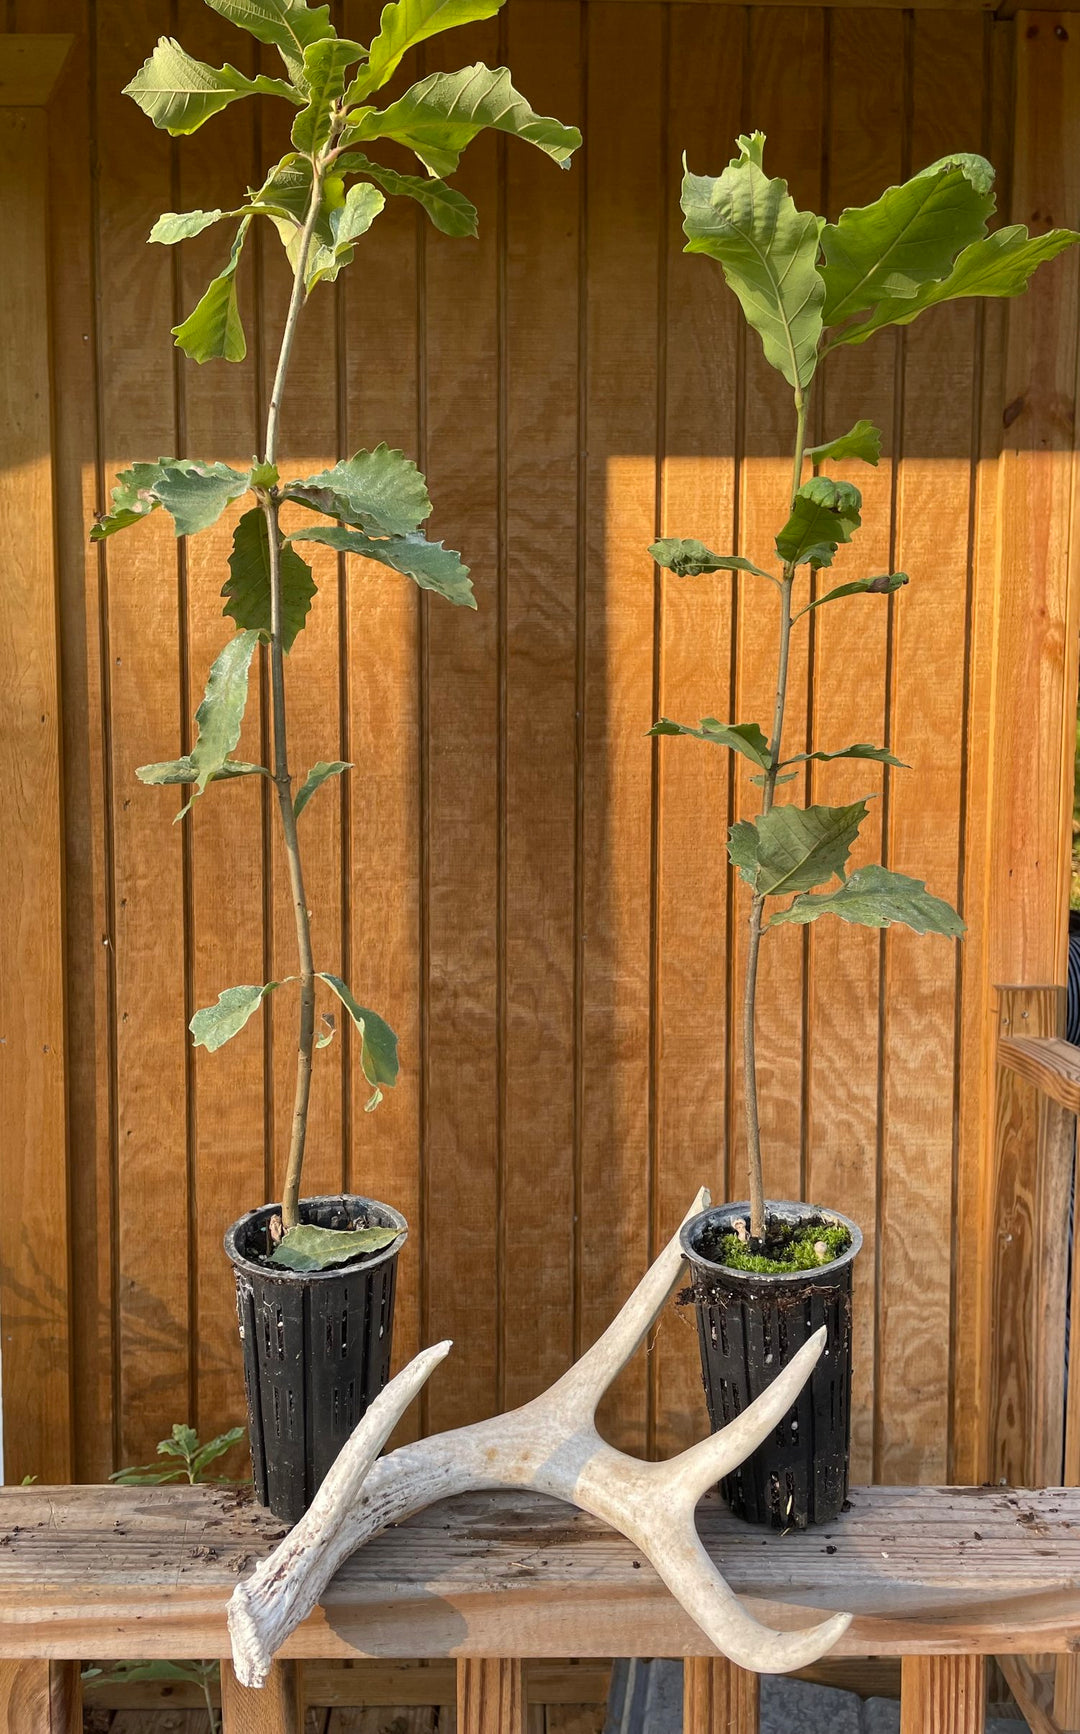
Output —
<point x="280" y="1273"/>
<point x="722" y="1215"/>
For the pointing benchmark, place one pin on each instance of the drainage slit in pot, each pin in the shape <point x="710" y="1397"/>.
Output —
<point x="277" y="1413"/>
<point x="280" y="1334"/>
<point x="344" y="1331"/>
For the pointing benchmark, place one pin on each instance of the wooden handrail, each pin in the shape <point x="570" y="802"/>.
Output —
<point x="1048" y="1062"/>
<point x="118" y="1572"/>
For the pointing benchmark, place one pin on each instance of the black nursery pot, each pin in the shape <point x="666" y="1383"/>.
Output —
<point x="750" y="1325"/>
<point x="316" y="1346"/>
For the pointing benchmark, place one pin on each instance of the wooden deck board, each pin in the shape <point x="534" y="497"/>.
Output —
<point x="112" y="1572"/>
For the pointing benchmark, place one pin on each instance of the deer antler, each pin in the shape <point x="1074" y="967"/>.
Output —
<point x="549" y="1446"/>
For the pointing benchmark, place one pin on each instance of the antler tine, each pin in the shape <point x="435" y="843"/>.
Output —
<point x="320" y="1536"/>
<point x="585" y="1382"/>
<point x="699" y="1468"/>
<point x="676" y="1552"/>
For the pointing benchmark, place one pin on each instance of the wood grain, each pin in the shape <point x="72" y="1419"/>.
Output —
<point x="1032" y="766"/>
<point x="462" y="835"/>
<point x="276" y="1708"/>
<point x="516" y="880"/>
<point x="943" y="1695"/>
<point x="865" y="149"/>
<point x="34" y="1223"/>
<point x="40" y="1698"/>
<point x="541" y="285"/>
<point x="719" y="1698"/>
<point x="1034" y="1693"/>
<point x="937" y="360"/>
<point x="30" y="68"/>
<point x="784" y="50"/>
<point x="1048" y="1062"/>
<point x="1027" y="1270"/>
<point x="975" y="1066"/>
<point x="624" y="194"/>
<point x="490" y="1697"/>
<point x="225" y="829"/>
<point x="119" y="1572"/>
<point x="381" y="714"/>
<point x="88" y="924"/>
<point x="147" y="712"/>
<point x="692" y="678"/>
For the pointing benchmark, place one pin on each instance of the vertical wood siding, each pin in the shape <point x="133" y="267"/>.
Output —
<point x="534" y="893"/>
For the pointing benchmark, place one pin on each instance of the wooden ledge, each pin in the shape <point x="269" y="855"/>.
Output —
<point x="30" y="68"/>
<point x="125" y="1572"/>
<point x="1048" y="1062"/>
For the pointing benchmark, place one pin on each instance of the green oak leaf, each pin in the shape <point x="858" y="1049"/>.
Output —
<point x="999" y="265"/>
<point x="381" y="491"/>
<point x="326" y="64"/>
<point x="450" y="211"/>
<point x="217" y="720"/>
<point x="794" y="848"/>
<point x="308" y="1247"/>
<point x="213" y="330"/>
<point x="431" y="565"/>
<point x="174" y="226"/>
<point x="247" y="590"/>
<point x="315" y="778"/>
<point x="378" y="1043"/>
<point x="688" y="558"/>
<point x="863" y="442"/>
<point x="745" y="738"/>
<point x="195" y="493"/>
<point x="442" y="114"/>
<point x="290" y="26"/>
<point x="185" y="770"/>
<point x="347" y="223"/>
<point x="882" y="585"/>
<point x="768" y="250"/>
<point x="907" y="237"/>
<point x="180" y="93"/>
<point x="215" y="1025"/>
<point x="860" y="750"/>
<point x="824" y="514"/>
<point x="875" y="897"/>
<point x="405" y="24"/>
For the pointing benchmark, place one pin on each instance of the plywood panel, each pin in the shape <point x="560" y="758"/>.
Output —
<point x="849" y="646"/>
<point x="534" y="893"/>
<point x="89" y="952"/>
<point x="625" y="199"/>
<point x="785" y="74"/>
<point x="939" y="362"/>
<point x="693" y="678"/>
<point x="224" y="831"/>
<point x="33" y="1236"/>
<point x="463" y="835"/>
<point x="380" y="624"/>
<point x="148" y="710"/>
<point x="541" y="289"/>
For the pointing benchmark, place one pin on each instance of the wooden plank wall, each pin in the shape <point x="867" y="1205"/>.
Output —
<point x="533" y="892"/>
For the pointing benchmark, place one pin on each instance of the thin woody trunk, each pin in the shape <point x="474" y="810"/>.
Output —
<point x="750" y="1091"/>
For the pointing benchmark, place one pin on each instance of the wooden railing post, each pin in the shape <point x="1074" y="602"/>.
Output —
<point x="719" y="1698"/>
<point x="943" y="1695"/>
<point x="490" y="1696"/>
<point x="276" y="1708"/>
<point x="40" y="1698"/>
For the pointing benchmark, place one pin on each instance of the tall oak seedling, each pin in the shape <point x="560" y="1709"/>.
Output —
<point x="808" y="287"/>
<point x="322" y="198"/>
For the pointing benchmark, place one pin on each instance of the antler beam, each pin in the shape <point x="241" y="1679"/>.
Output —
<point x="549" y="1446"/>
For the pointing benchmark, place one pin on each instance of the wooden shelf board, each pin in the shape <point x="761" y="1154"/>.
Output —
<point x="118" y="1572"/>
